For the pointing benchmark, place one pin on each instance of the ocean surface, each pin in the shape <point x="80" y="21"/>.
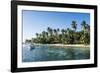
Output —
<point x="48" y="53"/>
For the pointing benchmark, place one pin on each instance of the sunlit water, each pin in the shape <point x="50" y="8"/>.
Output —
<point x="45" y="53"/>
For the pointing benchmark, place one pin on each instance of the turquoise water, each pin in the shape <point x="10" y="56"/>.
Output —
<point x="47" y="53"/>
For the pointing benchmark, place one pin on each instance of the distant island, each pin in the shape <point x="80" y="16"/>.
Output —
<point x="63" y="36"/>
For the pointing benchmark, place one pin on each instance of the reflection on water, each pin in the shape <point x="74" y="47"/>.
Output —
<point x="45" y="53"/>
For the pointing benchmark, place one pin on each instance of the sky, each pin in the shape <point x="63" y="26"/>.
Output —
<point x="37" y="21"/>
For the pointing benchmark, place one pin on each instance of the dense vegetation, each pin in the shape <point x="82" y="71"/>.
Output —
<point x="64" y="36"/>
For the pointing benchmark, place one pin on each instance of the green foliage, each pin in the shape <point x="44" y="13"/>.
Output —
<point x="64" y="36"/>
<point x="74" y="25"/>
<point x="27" y="41"/>
<point x="85" y="38"/>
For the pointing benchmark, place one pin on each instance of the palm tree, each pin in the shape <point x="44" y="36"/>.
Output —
<point x="58" y="30"/>
<point x="50" y="31"/>
<point x="58" y="38"/>
<point x="85" y="38"/>
<point x="68" y="31"/>
<point x="74" y="25"/>
<point x="55" y="31"/>
<point x="40" y="36"/>
<point x="44" y="34"/>
<point x="37" y="35"/>
<point x="43" y="39"/>
<point x="63" y="31"/>
<point x="84" y="25"/>
<point x="69" y="36"/>
<point x="63" y="36"/>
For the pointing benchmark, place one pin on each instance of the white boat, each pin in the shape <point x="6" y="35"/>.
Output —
<point x="32" y="46"/>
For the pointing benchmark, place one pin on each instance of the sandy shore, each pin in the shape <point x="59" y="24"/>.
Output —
<point x="65" y="45"/>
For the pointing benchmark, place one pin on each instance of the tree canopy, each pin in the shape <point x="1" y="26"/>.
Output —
<point x="64" y="36"/>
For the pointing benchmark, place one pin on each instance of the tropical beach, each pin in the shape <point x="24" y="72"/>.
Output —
<point x="51" y="36"/>
<point x="66" y="38"/>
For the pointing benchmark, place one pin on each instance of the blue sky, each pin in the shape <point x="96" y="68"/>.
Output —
<point x="38" y="21"/>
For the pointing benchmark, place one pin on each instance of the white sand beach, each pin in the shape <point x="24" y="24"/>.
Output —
<point x="65" y="45"/>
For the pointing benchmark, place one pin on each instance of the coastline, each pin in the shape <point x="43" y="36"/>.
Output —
<point x="64" y="45"/>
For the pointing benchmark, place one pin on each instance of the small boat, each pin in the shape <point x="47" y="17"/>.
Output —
<point x="32" y="46"/>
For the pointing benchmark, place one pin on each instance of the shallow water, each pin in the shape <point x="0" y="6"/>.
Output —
<point x="47" y="53"/>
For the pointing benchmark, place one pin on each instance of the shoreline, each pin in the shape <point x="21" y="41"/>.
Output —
<point x="64" y="45"/>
